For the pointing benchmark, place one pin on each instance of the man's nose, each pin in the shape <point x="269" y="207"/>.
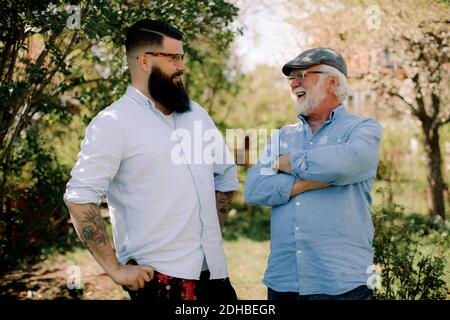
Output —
<point x="181" y="66"/>
<point x="295" y="83"/>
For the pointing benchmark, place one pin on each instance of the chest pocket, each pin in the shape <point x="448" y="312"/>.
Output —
<point x="342" y="138"/>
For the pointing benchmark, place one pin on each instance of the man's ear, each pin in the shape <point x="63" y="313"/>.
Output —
<point x="333" y="83"/>
<point x="144" y="62"/>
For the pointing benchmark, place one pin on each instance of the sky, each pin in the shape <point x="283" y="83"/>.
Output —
<point x="267" y="38"/>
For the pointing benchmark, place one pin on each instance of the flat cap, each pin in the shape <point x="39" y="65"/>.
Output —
<point x="314" y="57"/>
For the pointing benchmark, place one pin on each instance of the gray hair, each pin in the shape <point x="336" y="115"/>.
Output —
<point x="341" y="92"/>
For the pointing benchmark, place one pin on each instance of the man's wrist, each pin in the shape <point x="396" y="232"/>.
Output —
<point x="295" y="188"/>
<point x="111" y="266"/>
<point x="284" y="164"/>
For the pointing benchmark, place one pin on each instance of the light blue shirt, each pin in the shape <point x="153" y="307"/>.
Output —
<point x="163" y="212"/>
<point x="321" y="240"/>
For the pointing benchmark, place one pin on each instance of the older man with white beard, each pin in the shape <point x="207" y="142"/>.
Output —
<point x="319" y="188"/>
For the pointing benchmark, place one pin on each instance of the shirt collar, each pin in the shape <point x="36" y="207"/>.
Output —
<point x="145" y="101"/>
<point x="139" y="97"/>
<point x="334" y="114"/>
<point x="338" y="112"/>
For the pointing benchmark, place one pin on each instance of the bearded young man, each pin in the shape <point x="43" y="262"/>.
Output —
<point x="319" y="189"/>
<point x="166" y="217"/>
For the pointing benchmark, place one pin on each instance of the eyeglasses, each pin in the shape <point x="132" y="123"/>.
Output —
<point x="176" y="57"/>
<point x="300" y="75"/>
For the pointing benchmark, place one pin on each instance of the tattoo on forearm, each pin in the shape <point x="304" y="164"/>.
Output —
<point x="95" y="229"/>
<point x="223" y="201"/>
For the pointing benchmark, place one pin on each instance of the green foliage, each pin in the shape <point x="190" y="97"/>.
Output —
<point x="410" y="252"/>
<point x="42" y="58"/>
<point x="264" y="101"/>
<point x="248" y="222"/>
<point x="37" y="221"/>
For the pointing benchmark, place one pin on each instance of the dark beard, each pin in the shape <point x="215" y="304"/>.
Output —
<point x="172" y="96"/>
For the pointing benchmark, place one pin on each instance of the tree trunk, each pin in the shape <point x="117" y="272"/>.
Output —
<point x="435" y="196"/>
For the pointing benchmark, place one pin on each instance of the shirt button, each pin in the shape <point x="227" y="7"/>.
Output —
<point x="299" y="251"/>
<point x="297" y="228"/>
<point x="339" y="140"/>
<point x="310" y="142"/>
<point x="297" y="203"/>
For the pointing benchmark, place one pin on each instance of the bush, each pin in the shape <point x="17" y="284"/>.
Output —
<point x="249" y="222"/>
<point x="410" y="255"/>
<point x="36" y="220"/>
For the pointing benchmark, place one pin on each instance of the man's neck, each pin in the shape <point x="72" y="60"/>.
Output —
<point x="161" y="108"/>
<point x="144" y="90"/>
<point x="319" y="116"/>
<point x="315" y="124"/>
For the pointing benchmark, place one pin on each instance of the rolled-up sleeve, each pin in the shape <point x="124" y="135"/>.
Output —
<point x="350" y="162"/>
<point x="265" y="187"/>
<point x="267" y="190"/>
<point x="98" y="161"/>
<point x="225" y="172"/>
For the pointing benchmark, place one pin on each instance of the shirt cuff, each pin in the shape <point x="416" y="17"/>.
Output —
<point x="286" y="189"/>
<point x="225" y="186"/>
<point x="298" y="163"/>
<point x="81" y="198"/>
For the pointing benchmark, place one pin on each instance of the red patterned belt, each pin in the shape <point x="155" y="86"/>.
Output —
<point x="187" y="287"/>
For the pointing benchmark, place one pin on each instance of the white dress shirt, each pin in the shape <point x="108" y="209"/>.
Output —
<point x="163" y="213"/>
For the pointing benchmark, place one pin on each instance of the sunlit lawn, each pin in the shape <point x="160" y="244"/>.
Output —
<point x="247" y="262"/>
<point x="246" y="259"/>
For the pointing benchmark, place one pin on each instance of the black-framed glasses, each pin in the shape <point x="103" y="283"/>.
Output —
<point x="176" y="57"/>
<point x="300" y="75"/>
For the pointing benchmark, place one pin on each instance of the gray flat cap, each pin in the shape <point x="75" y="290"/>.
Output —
<point x="314" y="57"/>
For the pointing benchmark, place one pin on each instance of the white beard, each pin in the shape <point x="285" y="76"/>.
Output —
<point x="310" y="100"/>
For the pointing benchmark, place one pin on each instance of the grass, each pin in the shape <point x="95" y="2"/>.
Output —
<point x="247" y="260"/>
<point x="47" y="279"/>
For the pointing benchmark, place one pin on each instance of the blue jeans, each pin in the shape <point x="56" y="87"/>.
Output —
<point x="359" y="293"/>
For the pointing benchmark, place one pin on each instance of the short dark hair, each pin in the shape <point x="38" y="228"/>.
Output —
<point x="149" y="32"/>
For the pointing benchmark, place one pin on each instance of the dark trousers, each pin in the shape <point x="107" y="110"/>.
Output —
<point x="206" y="290"/>
<point x="359" y="293"/>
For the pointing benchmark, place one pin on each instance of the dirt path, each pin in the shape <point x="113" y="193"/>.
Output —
<point x="48" y="280"/>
